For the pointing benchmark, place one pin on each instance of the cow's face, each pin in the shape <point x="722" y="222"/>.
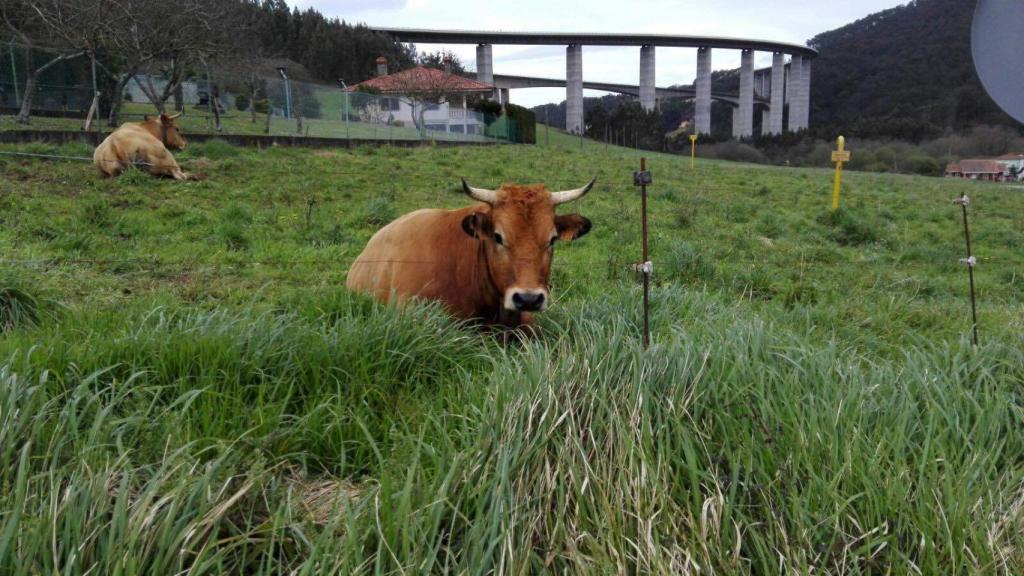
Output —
<point x="165" y="129"/>
<point x="518" y="234"/>
<point x="172" y="136"/>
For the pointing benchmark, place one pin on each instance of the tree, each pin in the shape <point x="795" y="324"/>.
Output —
<point x="423" y="88"/>
<point x="182" y="36"/>
<point x="163" y="38"/>
<point x="442" y="60"/>
<point x="50" y="32"/>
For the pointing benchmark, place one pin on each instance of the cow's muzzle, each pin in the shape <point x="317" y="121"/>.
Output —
<point x="520" y="300"/>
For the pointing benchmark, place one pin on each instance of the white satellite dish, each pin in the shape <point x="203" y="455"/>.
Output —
<point x="997" y="43"/>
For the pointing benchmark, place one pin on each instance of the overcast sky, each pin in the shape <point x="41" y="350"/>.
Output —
<point x="780" y="20"/>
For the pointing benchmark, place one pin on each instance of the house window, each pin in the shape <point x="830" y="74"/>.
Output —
<point x="391" y="104"/>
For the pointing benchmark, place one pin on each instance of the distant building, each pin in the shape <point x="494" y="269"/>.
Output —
<point x="992" y="169"/>
<point x="1012" y="163"/>
<point x="397" y="99"/>
<point x="133" y="91"/>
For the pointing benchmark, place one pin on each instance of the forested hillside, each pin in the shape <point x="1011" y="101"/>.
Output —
<point x="906" y="72"/>
<point x="328" y="47"/>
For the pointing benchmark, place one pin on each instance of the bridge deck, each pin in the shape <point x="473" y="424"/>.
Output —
<point x="592" y="39"/>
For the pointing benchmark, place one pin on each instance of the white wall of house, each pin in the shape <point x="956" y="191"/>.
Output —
<point x="444" y="117"/>
<point x="132" y="91"/>
<point x="1008" y="164"/>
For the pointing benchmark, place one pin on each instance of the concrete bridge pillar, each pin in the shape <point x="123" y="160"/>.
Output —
<point x="795" y="84"/>
<point x="805" y="106"/>
<point x="574" y="88"/>
<point x="702" y="111"/>
<point x="503" y="95"/>
<point x="778" y="93"/>
<point x="765" y="122"/>
<point x="647" y="86"/>
<point x="485" y="64"/>
<point x="745" y="128"/>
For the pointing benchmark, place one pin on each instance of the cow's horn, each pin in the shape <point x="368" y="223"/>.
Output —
<point x="480" y="194"/>
<point x="173" y="116"/>
<point x="570" y="195"/>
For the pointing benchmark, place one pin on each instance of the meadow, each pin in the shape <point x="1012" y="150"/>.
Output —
<point x="187" y="387"/>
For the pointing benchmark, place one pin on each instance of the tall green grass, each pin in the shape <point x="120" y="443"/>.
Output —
<point x="185" y="388"/>
<point x="333" y="434"/>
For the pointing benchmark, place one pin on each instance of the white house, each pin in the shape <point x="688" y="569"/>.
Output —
<point x="133" y="91"/>
<point x="440" y="96"/>
<point x="1011" y="162"/>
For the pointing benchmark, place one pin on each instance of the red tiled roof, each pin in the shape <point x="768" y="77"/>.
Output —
<point x="953" y="169"/>
<point x="421" y="78"/>
<point x="1010" y="156"/>
<point x="981" y="167"/>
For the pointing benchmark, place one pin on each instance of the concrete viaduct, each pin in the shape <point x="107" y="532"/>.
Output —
<point x="773" y="87"/>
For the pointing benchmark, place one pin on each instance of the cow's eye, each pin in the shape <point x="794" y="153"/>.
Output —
<point x="499" y="239"/>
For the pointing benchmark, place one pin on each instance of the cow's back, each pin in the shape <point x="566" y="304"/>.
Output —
<point x="122" y="147"/>
<point x="131" y="143"/>
<point x="423" y="254"/>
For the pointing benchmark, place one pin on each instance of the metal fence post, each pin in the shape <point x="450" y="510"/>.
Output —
<point x="14" y="76"/>
<point x="963" y="201"/>
<point x="642" y="178"/>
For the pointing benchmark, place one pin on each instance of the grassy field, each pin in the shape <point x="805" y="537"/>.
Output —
<point x="186" y="386"/>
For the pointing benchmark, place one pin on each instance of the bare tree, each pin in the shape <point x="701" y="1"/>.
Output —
<point x="165" y="38"/>
<point x="61" y="29"/>
<point x="185" y="34"/>
<point x="424" y="88"/>
<point x="250" y="58"/>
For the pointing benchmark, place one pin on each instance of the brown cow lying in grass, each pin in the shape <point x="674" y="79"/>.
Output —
<point x="490" y="261"/>
<point x="147" y="144"/>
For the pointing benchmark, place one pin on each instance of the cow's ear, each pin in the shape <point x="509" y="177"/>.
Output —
<point x="571" y="226"/>
<point x="477" y="224"/>
<point x="147" y="118"/>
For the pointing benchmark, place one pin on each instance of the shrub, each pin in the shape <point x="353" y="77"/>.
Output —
<point x="234" y="220"/>
<point x="233" y="235"/>
<point x="18" y="307"/>
<point x="922" y="164"/>
<point x="133" y="176"/>
<point x="489" y="108"/>
<point x="242" y="102"/>
<point x="522" y="124"/>
<point x="685" y="215"/>
<point x="847" y="229"/>
<point x="214" y="149"/>
<point x="735" y="151"/>
<point x="96" y="211"/>
<point x="378" y="212"/>
<point x="686" y="262"/>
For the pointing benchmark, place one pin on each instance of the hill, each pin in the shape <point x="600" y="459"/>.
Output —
<point x="185" y="385"/>
<point x="908" y="69"/>
<point x="904" y="73"/>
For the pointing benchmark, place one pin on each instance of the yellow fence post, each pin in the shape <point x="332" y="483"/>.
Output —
<point x="839" y="156"/>
<point x="693" y="150"/>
